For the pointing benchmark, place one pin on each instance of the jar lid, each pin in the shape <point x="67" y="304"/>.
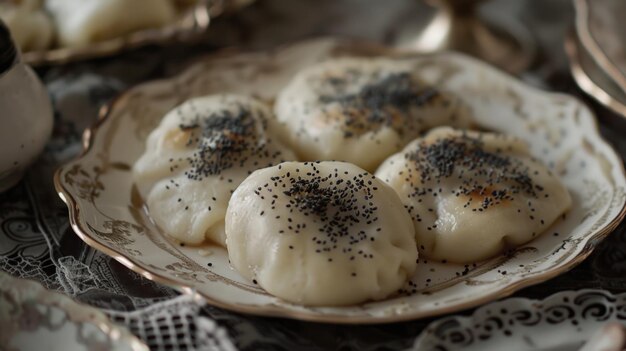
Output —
<point x="8" y="52"/>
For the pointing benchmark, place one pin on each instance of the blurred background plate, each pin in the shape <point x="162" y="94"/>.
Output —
<point x="30" y="316"/>
<point x="562" y="322"/>
<point x="191" y="25"/>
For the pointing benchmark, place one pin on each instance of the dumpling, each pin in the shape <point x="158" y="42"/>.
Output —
<point x="196" y="158"/>
<point x="31" y="28"/>
<point x="320" y="233"/>
<point x="80" y="22"/>
<point x="361" y="110"/>
<point x="473" y="195"/>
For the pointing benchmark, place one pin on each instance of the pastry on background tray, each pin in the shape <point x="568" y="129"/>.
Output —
<point x="80" y="22"/>
<point x="31" y="27"/>
<point x="43" y="24"/>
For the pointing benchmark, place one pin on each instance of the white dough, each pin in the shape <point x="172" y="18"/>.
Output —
<point x="80" y="22"/>
<point x="197" y="157"/>
<point x="362" y="110"/>
<point x="324" y="233"/>
<point x="473" y="195"/>
<point x="31" y="28"/>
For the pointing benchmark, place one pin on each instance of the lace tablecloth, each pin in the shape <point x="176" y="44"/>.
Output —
<point x="36" y="241"/>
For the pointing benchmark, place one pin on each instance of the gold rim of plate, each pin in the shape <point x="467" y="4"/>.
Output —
<point x="600" y="56"/>
<point x="272" y="310"/>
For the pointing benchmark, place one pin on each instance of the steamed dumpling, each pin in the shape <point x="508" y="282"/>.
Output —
<point x="361" y="110"/>
<point x="473" y="195"/>
<point x="320" y="233"/>
<point x="197" y="157"/>
<point x="31" y="28"/>
<point x="80" y="22"/>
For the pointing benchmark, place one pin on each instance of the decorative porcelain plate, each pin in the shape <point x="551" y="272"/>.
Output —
<point x="562" y="322"/>
<point x="106" y="211"/>
<point x="602" y="32"/>
<point x="33" y="318"/>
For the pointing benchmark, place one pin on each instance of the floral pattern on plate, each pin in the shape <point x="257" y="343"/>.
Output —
<point x="563" y="321"/>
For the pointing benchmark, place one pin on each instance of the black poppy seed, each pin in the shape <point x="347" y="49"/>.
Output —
<point x="480" y="171"/>
<point x="377" y="103"/>
<point x="222" y="140"/>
